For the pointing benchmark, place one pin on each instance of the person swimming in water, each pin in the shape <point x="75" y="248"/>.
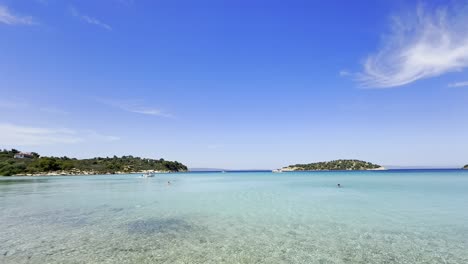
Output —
<point x="168" y="182"/>
<point x="338" y="185"/>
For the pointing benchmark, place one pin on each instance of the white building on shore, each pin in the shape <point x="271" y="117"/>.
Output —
<point x="24" y="155"/>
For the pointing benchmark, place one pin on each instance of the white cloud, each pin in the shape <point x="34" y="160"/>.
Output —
<point x="7" y="17"/>
<point x="15" y="135"/>
<point x="89" y="20"/>
<point x="146" y="111"/>
<point x="344" y="73"/>
<point x="425" y="44"/>
<point x="12" y="135"/>
<point x="14" y="104"/>
<point x="135" y="107"/>
<point x="458" y="84"/>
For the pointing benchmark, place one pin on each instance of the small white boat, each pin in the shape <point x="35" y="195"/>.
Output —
<point x="147" y="175"/>
<point x="277" y="171"/>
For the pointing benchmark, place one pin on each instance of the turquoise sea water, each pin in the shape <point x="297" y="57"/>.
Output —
<point x="377" y="217"/>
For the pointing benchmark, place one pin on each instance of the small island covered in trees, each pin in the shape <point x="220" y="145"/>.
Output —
<point x="14" y="162"/>
<point x="466" y="167"/>
<point x="342" y="164"/>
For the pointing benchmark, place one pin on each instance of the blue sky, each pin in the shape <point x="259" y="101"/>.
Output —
<point x="237" y="84"/>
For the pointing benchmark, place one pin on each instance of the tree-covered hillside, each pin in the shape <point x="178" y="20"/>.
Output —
<point x="335" y="165"/>
<point x="9" y="165"/>
<point x="466" y="167"/>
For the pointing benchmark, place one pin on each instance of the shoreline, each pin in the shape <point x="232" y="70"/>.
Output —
<point x="91" y="173"/>
<point x="88" y="173"/>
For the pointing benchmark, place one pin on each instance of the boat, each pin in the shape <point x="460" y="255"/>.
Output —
<point x="277" y="171"/>
<point x="147" y="175"/>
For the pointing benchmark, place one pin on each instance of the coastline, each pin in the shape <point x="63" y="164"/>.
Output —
<point x="90" y="173"/>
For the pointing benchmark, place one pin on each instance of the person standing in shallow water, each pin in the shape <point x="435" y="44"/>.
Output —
<point x="338" y="185"/>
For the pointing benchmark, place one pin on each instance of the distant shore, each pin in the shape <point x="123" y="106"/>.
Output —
<point x="290" y="169"/>
<point x="90" y="173"/>
<point x="18" y="163"/>
<point x="341" y="164"/>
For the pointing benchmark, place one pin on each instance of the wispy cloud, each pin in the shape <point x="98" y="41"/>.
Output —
<point x="17" y="135"/>
<point x="89" y="20"/>
<point x="18" y="104"/>
<point x="344" y="73"/>
<point x="458" y="84"/>
<point x="424" y="44"/>
<point x="147" y="111"/>
<point x="20" y="135"/>
<point x="135" y="107"/>
<point x="7" y="17"/>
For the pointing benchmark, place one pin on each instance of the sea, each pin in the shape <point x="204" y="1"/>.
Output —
<point x="394" y="216"/>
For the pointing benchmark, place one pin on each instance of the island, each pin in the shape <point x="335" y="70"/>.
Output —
<point x="342" y="164"/>
<point x="14" y="162"/>
<point x="465" y="167"/>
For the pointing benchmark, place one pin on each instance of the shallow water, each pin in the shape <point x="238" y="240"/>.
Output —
<point x="377" y="217"/>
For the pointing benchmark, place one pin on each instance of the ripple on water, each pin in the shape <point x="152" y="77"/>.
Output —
<point x="158" y="226"/>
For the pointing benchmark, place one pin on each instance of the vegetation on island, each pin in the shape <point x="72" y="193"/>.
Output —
<point x="35" y="164"/>
<point x="341" y="164"/>
<point x="466" y="167"/>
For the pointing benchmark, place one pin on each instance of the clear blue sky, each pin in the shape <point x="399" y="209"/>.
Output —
<point x="237" y="84"/>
